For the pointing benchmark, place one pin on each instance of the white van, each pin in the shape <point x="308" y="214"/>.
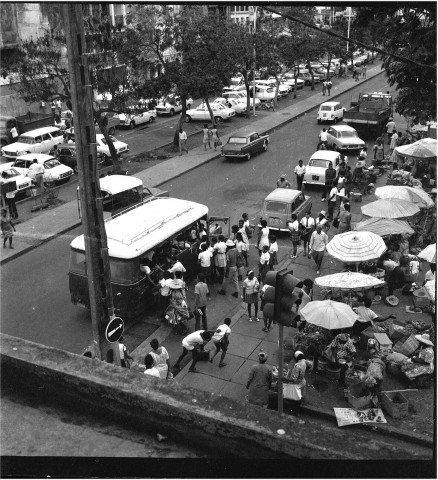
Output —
<point x="41" y="140"/>
<point x="330" y="112"/>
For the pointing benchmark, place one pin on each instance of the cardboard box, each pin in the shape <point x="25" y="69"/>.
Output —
<point x="384" y="344"/>
<point x="365" y="336"/>
<point x="406" y="345"/>
<point x="396" y="330"/>
<point x="395" y="404"/>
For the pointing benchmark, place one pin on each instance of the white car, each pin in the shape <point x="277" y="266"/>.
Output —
<point x="8" y="175"/>
<point x="330" y="112"/>
<point x="131" y="120"/>
<point x="55" y="172"/>
<point x="103" y="148"/>
<point x="241" y="96"/>
<point x="285" y="88"/>
<point x="317" y="165"/>
<point x="290" y="80"/>
<point x="220" y="113"/>
<point x="344" y="138"/>
<point x="263" y="92"/>
<point x="236" y="104"/>
<point x="282" y="90"/>
<point x="171" y="105"/>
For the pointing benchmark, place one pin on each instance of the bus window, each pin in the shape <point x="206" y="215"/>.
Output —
<point x="77" y="262"/>
<point x="125" y="271"/>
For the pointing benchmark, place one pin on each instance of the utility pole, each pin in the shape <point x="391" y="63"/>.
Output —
<point x="96" y="248"/>
<point x="254" y="69"/>
<point x="349" y="19"/>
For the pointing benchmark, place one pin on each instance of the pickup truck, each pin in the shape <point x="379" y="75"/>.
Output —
<point x="370" y="113"/>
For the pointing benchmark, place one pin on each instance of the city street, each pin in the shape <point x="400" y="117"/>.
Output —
<point x="32" y="298"/>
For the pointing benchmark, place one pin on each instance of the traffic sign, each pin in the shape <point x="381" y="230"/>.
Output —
<point x="114" y="329"/>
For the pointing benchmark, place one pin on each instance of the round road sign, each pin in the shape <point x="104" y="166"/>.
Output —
<point x="114" y="329"/>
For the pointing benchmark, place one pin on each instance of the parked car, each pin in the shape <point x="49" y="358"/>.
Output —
<point x="172" y="104"/>
<point x="55" y="172"/>
<point x="67" y="156"/>
<point x="241" y="96"/>
<point x="330" y="112"/>
<point x="244" y="146"/>
<point x="40" y="140"/>
<point x="10" y="175"/>
<point x="131" y="120"/>
<point x="344" y="138"/>
<point x="103" y="148"/>
<point x="280" y="204"/>
<point x="317" y="165"/>
<point x="220" y="113"/>
<point x="282" y="90"/>
<point x="322" y="72"/>
<point x="308" y="78"/>
<point x="290" y="80"/>
<point x="236" y="104"/>
<point x="263" y="92"/>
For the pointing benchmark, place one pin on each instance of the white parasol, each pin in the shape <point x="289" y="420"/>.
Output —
<point x="423" y="148"/>
<point x="356" y="247"/>
<point x="329" y="314"/>
<point x="410" y="194"/>
<point x="429" y="253"/>
<point x="348" y="281"/>
<point x="384" y="226"/>
<point x="386" y="208"/>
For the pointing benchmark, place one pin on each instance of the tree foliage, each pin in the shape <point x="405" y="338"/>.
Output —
<point x="408" y="31"/>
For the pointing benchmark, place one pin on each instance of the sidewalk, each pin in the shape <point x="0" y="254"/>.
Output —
<point x="54" y="222"/>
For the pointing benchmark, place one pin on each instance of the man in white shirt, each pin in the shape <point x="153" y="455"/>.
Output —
<point x="367" y="317"/>
<point x="36" y="172"/>
<point x="331" y="202"/>
<point x="390" y="129"/>
<point x="308" y="225"/>
<point x="182" y="135"/>
<point x="193" y="343"/>
<point x="177" y="267"/>
<point x="318" y="244"/>
<point x="220" y="261"/>
<point x="323" y="138"/>
<point x="299" y="171"/>
<point x="204" y="260"/>
<point x="220" y="340"/>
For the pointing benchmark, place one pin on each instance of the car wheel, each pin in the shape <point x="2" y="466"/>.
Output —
<point x="218" y="120"/>
<point x="132" y="124"/>
<point x="152" y="120"/>
<point x="336" y="119"/>
<point x="248" y="156"/>
<point x="112" y="131"/>
<point x="335" y="147"/>
<point x="172" y="112"/>
<point x="319" y="121"/>
<point x="3" y="143"/>
<point x="105" y="159"/>
<point x="75" y="168"/>
<point x="188" y="118"/>
<point x="265" y="146"/>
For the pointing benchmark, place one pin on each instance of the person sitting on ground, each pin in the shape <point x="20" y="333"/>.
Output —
<point x="150" y="369"/>
<point x="161" y="358"/>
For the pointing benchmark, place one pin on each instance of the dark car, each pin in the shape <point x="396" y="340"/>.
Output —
<point x="67" y="156"/>
<point x="244" y="146"/>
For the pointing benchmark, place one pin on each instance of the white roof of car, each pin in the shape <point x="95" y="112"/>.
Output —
<point x="39" y="131"/>
<point x="139" y="230"/>
<point x="41" y="157"/>
<point x="283" y="195"/>
<point x="114" y="184"/>
<point x="330" y="104"/>
<point x="343" y="128"/>
<point x="325" y="155"/>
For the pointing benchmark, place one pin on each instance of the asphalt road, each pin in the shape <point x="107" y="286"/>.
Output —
<point x="34" y="288"/>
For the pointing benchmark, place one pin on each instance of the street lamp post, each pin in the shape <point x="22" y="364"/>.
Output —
<point x="254" y="66"/>
<point x="348" y="30"/>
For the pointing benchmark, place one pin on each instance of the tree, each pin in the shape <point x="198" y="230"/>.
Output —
<point x="410" y="32"/>
<point x="40" y="67"/>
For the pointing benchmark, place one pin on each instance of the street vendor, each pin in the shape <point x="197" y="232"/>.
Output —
<point x="296" y="376"/>
<point x="375" y="373"/>
<point x="367" y="317"/>
<point x="341" y="352"/>
<point x="420" y="366"/>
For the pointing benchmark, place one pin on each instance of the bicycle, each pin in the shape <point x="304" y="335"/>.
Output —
<point x="268" y="105"/>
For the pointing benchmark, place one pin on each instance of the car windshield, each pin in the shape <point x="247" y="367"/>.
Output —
<point x="325" y="108"/>
<point x="51" y="163"/>
<point x="113" y="139"/>
<point x="319" y="162"/>
<point x="237" y="140"/>
<point x="24" y="139"/>
<point x="277" y="207"/>
<point x="348" y="134"/>
<point x="9" y="173"/>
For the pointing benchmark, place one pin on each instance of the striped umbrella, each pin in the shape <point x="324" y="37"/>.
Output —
<point x="384" y="226"/>
<point x="356" y="247"/>
<point x="348" y="281"/>
<point x="429" y="253"/>
<point x="386" y="208"/>
<point x="410" y="194"/>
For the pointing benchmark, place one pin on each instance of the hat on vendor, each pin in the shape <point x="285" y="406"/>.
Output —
<point x="343" y="337"/>
<point x="230" y="243"/>
<point x="297" y="354"/>
<point x="322" y="212"/>
<point x="425" y="338"/>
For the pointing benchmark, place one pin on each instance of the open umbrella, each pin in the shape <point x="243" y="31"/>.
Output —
<point x="429" y="253"/>
<point x="348" y="281"/>
<point x="329" y="314"/>
<point x="356" y="247"/>
<point x="384" y="226"/>
<point x="414" y="195"/>
<point x="424" y="148"/>
<point x="386" y="208"/>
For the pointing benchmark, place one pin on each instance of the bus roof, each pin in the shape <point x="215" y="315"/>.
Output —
<point x="113" y="184"/>
<point x="141" y="229"/>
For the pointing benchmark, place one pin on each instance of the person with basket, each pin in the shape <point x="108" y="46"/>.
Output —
<point x="221" y="341"/>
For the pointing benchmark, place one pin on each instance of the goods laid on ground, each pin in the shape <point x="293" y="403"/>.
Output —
<point x="349" y="416"/>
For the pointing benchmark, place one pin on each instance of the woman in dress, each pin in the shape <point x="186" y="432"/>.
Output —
<point x="345" y="219"/>
<point x="207" y="135"/>
<point x="161" y="358"/>
<point x="215" y="137"/>
<point x="273" y="252"/>
<point x="7" y="227"/>
<point x="251" y="294"/>
<point x="295" y="235"/>
<point x="263" y="236"/>
<point x="379" y="152"/>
